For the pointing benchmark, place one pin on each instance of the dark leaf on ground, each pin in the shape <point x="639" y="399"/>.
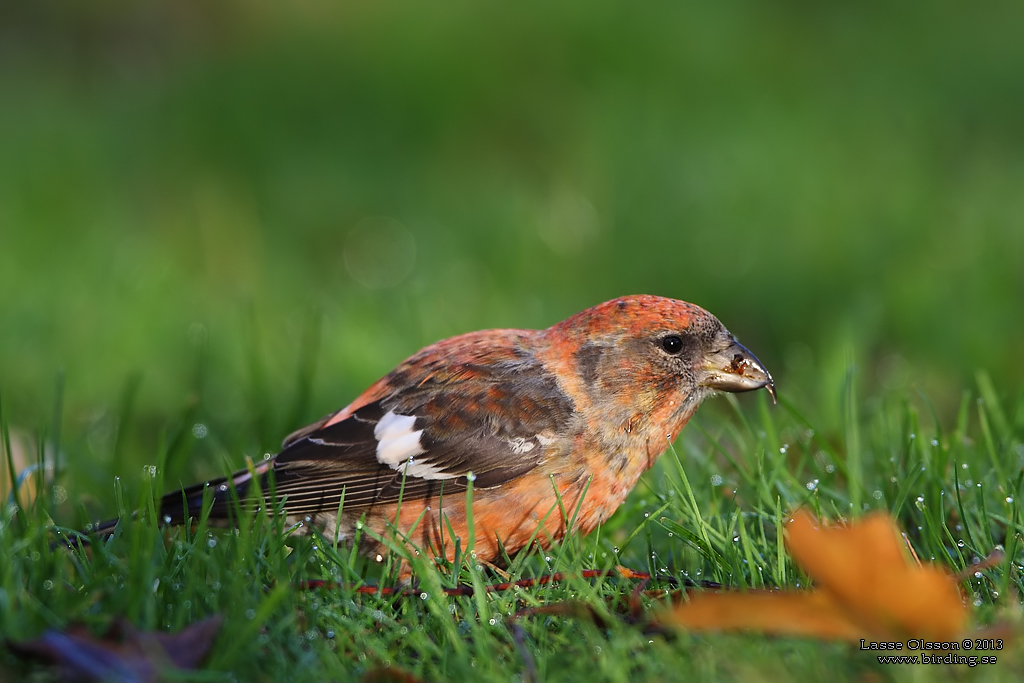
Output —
<point x="123" y="654"/>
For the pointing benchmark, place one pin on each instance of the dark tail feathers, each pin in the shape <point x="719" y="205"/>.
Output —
<point x="177" y="507"/>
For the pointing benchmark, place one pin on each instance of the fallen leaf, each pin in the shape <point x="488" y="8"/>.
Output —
<point x="865" y="568"/>
<point x="389" y="676"/>
<point x="865" y="587"/>
<point x="23" y="461"/>
<point x="794" y="613"/>
<point x="122" y="654"/>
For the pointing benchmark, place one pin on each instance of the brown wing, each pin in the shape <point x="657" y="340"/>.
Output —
<point x="497" y="420"/>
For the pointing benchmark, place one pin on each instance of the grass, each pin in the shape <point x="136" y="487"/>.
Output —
<point x="183" y="187"/>
<point x="710" y="509"/>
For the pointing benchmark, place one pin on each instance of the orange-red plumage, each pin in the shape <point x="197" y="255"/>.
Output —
<point x="565" y="418"/>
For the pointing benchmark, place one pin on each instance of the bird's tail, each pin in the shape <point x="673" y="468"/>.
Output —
<point x="177" y="507"/>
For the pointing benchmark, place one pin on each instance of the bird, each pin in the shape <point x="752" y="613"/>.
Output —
<point x="550" y="429"/>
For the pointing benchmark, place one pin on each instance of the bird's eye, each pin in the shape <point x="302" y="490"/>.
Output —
<point x="672" y="344"/>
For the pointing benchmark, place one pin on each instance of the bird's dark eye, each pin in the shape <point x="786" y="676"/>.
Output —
<point x="672" y="344"/>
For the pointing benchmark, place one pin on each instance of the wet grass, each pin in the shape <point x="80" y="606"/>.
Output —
<point x="185" y="190"/>
<point x="710" y="510"/>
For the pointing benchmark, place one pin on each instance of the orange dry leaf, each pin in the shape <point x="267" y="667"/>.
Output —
<point x="24" y="451"/>
<point x="865" y="588"/>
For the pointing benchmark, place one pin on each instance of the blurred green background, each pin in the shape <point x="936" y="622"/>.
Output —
<point x="239" y="214"/>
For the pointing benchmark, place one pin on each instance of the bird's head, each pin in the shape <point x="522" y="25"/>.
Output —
<point x="647" y="362"/>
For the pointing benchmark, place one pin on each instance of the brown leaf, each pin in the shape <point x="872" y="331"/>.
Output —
<point x="24" y="451"/>
<point x="865" y="568"/>
<point x="123" y="654"/>
<point x="795" y="613"/>
<point x="865" y="588"/>
<point x="389" y="675"/>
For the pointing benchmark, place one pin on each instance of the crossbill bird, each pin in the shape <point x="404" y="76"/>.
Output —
<point x="552" y="428"/>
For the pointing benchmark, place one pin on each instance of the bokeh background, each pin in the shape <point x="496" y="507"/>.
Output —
<point x="220" y="220"/>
